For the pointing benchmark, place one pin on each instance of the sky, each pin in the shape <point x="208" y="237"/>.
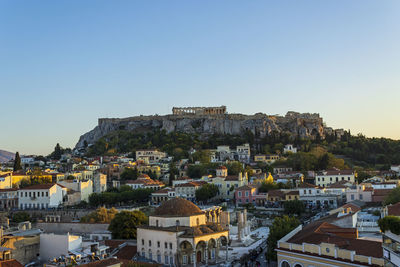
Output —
<point x="64" y="64"/>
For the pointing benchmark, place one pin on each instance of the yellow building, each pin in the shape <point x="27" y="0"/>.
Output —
<point x="321" y="244"/>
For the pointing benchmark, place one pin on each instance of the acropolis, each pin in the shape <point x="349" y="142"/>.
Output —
<point x="199" y="110"/>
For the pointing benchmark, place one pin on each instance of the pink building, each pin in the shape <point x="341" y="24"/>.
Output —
<point x="359" y="192"/>
<point x="246" y="194"/>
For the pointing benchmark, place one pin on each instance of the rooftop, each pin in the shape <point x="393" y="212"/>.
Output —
<point x="177" y="207"/>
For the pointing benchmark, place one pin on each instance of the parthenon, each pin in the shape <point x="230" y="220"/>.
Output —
<point x="199" y="110"/>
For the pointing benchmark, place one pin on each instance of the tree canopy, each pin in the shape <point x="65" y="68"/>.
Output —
<point x="17" y="162"/>
<point x="280" y="227"/>
<point x="393" y="197"/>
<point x="391" y="223"/>
<point x="294" y="207"/>
<point x="101" y="215"/>
<point x="125" y="223"/>
<point x="206" y="192"/>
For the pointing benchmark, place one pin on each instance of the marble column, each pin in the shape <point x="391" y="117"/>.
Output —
<point x="194" y="258"/>
<point x="206" y="253"/>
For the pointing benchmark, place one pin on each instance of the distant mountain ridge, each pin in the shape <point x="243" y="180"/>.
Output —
<point x="6" y="156"/>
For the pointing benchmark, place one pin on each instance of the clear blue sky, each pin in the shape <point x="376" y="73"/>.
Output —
<point x="63" y="64"/>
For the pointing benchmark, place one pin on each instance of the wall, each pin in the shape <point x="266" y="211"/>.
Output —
<point x="61" y="228"/>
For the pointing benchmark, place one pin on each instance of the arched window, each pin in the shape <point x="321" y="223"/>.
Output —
<point x="198" y="221"/>
<point x="285" y="264"/>
<point x="298" y="265"/>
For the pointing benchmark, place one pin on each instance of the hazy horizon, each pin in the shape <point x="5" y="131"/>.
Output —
<point x="67" y="63"/>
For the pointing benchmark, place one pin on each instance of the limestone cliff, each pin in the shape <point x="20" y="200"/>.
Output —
<point x="305" y="125"/>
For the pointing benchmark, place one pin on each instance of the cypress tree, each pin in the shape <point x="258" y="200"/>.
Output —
<point x="17" y="162"/>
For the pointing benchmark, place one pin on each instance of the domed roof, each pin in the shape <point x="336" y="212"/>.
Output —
<point x="177" y="207"/>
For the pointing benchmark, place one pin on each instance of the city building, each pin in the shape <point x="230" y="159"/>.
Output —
<point x="144" y="181"/>
<point x="188" y="190"/>
<point x="150" y="156"/>
<point x="8" y="199"/>
<point x="325" y="244"/>
<point x="289" y="148"/>
<point x="179" y="233"/>
<point x="41" y="196"/>
<point x="332" y="176"/>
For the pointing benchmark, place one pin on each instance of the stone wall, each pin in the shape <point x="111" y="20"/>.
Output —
<point x="305" y="125"/>
<point x="75" y="228"/>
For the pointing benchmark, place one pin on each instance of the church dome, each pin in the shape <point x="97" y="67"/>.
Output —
<point x="177" y="207"/>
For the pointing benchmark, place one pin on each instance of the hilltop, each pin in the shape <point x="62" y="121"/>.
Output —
<point x="301" y="125"/>
<point x="6" y="156"/>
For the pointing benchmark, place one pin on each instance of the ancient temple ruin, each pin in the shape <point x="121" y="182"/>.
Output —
<point x="199" y="110"/>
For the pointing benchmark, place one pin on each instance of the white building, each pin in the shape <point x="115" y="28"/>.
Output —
<point x="289" y="148"/>
<point x="53" y="245"/>
<point x="150" y="155"/>
<point x="395" y="168"/>
<point x="390" y="244"/>
<point x="99" y="182"/>
<point x="84" y="188"/>
<point x="41" y="196"/>
<point x="188" y="190"/>
<point x="180" y="234"/>
<point x="329" y="177"/>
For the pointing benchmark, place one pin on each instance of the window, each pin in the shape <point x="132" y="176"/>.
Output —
<point x="150" y="255"/>
<point x="185" y="259"/>
<point x="30" y="194"/>
<point x="159" y="258"/>
<point x="309" y="191"/>
<point x="330" y="179"/>
<point x="165" y="245"/>
<point x="352" y="197"/>
<point x="157" y="223"/>
<point x="319" y="179"/>
<point x="285" y="264"/>
<point x="177" y="223"/>
<point x="149" y="243"/>
<point x="170" y="245"/>
<point x="47" y="194"/>
<point x="247" y="193"/>
<point x="361" y="196"/>
<point x="142" y="242"/>
<point x="305" y="191"/>
<point x="348" y="178"/>
<point x="197" y="221"/>
<point x="240" y="193"/>
<point x="166" y="259"/>
<point x="342" y="178"/>
<point x="323" y="179"/>
<point x="337" y="179"/>
<point x="158" y="244"/>
<point x="171" y="260"/>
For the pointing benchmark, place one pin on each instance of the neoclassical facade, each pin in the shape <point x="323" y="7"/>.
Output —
<point x="181" y="234"/>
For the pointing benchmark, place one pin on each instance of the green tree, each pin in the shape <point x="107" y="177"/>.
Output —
<point x="129" y="174"/>
<point x="125" y="223"/>
<point x="101" y="215"/>
<point x="391" y="223"/>
<point x="294" y="207"/>
<point x="21" y="216"/>
<point x="280" y="227"/>
<point x="393" y="197"/>
<point x="57" y="152"/>
<point x="17" y="162"/>
<point x="203" y="156"/>
<point x="206" y="192"/>
<point x="234" y="168"/>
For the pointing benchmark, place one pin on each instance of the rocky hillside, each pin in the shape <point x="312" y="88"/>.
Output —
<point x="6" y="156"/>
<point x="305" y="125"/>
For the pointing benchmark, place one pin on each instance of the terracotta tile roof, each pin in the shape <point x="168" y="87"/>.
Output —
<point x="102" y="263"/>
<point x="354" y="208"/>
<point x="245" y="187"/>
<point x="126" y="253"/>
<point x="276" y="193"/>
<point x="38" y="187"/>
<point x="306" y="185"/>
<point x="382" y="192"/>
<point x="10" y="263"/>
<point x="292" y="193"/>
<point x="8" y="189"/>
<point x="192" y="184"/>
<point x="336" y="172"/>
<point x="232" y="178"/>
<point x="344" y="238"/>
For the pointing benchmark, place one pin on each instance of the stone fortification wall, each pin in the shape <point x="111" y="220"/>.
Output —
<point x="305" y="125"/>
